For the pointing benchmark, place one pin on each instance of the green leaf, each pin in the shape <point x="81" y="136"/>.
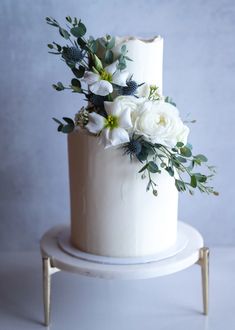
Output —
<point x="181" y="159"/>
<point x="67" y="128"/>
<point x="152" y="167"/>
<point x="185" y="151"/>
<point x="121" y="66"/>
<point x="59" y="86"/>
<point x="108" y="57"/>
<point x="69" y="19"/>
<point x="68" y="120"/>
<point x="79" y="30"/>
<point x="179" y="144"/>
<point x="50" y="46"/>
<point x="143" y="168"/>
<point x="75" y="82"/>
<point x="79" y="73"/>
<point x="93" y="46"/>
<point x="58" y="46"/>
<point x="59" y="128"/>
<point x="111" y="43"/>
<point x="64" y="33"/>
<point x="200" y="177"/>
<point x="168" y="99"/>
<point x="180" y="185"/>
<point x="188" y="145"/>
<point x="202" y="158"/>
<point x="123" y="49"/>
<point x="129" y="59"/>
<point x="81" y="42"/>
<point x="57" y="120"/>
<point x="97" y="63"/>
<point x="193" y="182"/>
<point x="170" y="170"/>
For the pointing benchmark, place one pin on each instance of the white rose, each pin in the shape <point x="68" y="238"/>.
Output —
<point x="159" y="122"/>
<point x="128" y="102"/>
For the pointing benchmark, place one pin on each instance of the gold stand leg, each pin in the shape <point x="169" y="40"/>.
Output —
<point x="204" y="263"/>
<point x="46" y="289"/>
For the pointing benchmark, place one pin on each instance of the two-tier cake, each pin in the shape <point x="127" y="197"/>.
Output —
<point x="111" y="213"/>
<point x="127" y="146"/>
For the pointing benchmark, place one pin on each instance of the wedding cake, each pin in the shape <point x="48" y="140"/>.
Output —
<point x="127" y="147"/>
<point x="111" y="213"/>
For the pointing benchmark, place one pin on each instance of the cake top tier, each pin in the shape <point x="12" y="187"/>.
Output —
<point x="146" y="56"/>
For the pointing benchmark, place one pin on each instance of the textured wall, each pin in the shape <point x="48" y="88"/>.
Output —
<point x="199" y="61"/>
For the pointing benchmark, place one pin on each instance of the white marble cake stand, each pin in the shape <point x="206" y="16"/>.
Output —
<point x="55" y="259"/>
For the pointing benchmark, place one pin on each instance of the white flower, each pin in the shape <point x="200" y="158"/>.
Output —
<point x="113" y="129"/>
<point x="159" y="122"/>
<point x="143" y="91"/>
<point x="100" y="83"/>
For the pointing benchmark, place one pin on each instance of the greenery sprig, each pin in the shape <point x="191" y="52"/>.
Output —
<point x="178" y="162"/>
<point x="81" y="55"/>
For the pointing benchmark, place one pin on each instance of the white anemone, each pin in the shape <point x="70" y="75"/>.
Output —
<point x="113" y="129"/>
<point x="100" y="83"/>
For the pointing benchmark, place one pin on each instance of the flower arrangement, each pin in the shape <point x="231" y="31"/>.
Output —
<point x="124" y="113"/>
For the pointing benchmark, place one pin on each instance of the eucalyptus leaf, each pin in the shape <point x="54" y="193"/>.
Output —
<point x="180" y="185"/>
<point x="108" y="57"/>
<point x="185" y="151"/>
<point x="69" y="19"/>
<point x="170" y="170"/>
<point x="68" y="120"/>
<point x="79" y="73"/>
<point x="67" y="128"/>
<point x="193" y="182"/>
<point x="202" y="158"/>
<point x="123" y="49"/>
<point x="75" y="82"/>
<point x="179" y="144"/>
<point x="111" y="43"/>
<point x="152" y="167"/>
<point x="82" y="43"/>
<point x="57" y="120"/>
<point x="79" y="30"/>
<point x="64" y="33"/>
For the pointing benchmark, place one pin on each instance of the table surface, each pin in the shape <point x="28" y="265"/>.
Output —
<point x="64" y="261"/>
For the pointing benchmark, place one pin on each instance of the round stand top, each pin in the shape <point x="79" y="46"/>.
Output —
<point x="188" y="256"/>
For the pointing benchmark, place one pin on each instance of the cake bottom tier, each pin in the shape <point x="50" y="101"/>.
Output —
<point x="111" y="212"/>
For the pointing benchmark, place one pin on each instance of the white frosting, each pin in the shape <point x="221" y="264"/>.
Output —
<point x="111" y="212"/>
<point x="147" y="56"/>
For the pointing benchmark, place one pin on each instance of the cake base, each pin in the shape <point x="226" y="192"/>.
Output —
<point x="64" y="242"/>
<point x="55" y="259"/>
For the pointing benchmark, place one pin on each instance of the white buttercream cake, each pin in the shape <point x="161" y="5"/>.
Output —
<point x="111" y="212"/>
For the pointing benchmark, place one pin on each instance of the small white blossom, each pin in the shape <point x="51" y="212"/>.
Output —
<point x="113" y="129"/>
<point x="100" y="83"/>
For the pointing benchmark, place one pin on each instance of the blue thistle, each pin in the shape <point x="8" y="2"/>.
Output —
<point x="72" y="54"/>
<point x="132" y="148"/>
<point x="131" y="88"/>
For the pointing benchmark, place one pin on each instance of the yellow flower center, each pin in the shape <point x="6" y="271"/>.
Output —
<point x="162" y="121"/>
<point x="104" y="75"/>
<point x="111" y="122"/>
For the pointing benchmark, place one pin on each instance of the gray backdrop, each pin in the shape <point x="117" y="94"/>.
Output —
<point x="199" y="61"/>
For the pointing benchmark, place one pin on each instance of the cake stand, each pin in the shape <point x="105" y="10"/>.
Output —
<point x="56" y="259"/>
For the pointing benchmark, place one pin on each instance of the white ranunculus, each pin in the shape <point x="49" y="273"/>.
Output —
<point x="159" y="122"/>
